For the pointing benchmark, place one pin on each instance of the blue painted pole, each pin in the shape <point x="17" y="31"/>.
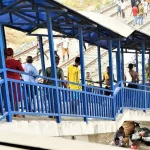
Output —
<point x="53" y="64"/>
<point x="137" y="62"/>
<point x="99" y="64"/>
<point x="111" y="75"/>
<point x="143" y="63"/>
<point x="116" y="65"/>
<point x="83" y="72"/>
<point x="42" y="54"/>
<point x="119" y="78"/>
<point x="143" y="72"/>
<point x="119" y="73"/>
<point x="4" y="75"/>
<point x="110" y="64"/>
<point x="122" y="57"/>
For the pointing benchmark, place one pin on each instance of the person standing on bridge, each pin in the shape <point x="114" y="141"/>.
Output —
<point x="38" y="50"/>
<point x="123" y="8"/>
<point x="106" y="79"/>
<point x="118" y="7"/>
<point x="134" y="77"/>
<point x="74" y="76"/>
<point x="145" y="5"/>
<point x="32" y="77"/>
<point x="14" y="88"/>
<point x="59" y="71"/>
<point x="135" y="13"/>
<point x="65" y="48"/>
<point x="141" y="14"/>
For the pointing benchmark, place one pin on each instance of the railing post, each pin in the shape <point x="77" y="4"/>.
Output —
<point x="143" y="72"/>
<point x="99" y="64"/>
<point x="53" y="65"/>
<point x="111" y="75"/>
<point x="83" y="72"/>
<point x="137" y="62"/>
<point x="4" y="75"/>
<point x="42" y="54"/>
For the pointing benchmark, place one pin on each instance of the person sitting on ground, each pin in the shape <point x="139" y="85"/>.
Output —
<point x="59" y="71"/>
<point x="123" y="141"/>
<point x="115" y="142"/>
<point x="134" y="75"/>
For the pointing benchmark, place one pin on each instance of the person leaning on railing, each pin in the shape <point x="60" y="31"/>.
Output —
<point x="11" y="63"/>
<point x="106" y="79"/>
<point x="134" y="75"/>
<point x="59" y="71"/>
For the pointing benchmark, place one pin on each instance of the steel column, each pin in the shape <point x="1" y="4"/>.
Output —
<point x="116" y="65"/>
<point x="119" y="76"/>
<point x="42" y="54"/>
<point x="143" y="72"/>
<point x="82" y="71"/>
<point x="137" y="62"/>
<point x="122" y="57"/>
<point x="110" y="64"/>
<point x="53" y="64"/>
<point x="143" y="63"/>
<point x="4" y="75"/>
<point x="99" y="64"/>
<point x="111" y="74"/>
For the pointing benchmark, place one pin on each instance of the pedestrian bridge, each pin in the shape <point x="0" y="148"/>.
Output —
<point x="35" y="99"/>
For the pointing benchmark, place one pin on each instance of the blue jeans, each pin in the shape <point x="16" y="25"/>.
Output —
<point x="140" y="20"/>
<point x="135" y="20"/>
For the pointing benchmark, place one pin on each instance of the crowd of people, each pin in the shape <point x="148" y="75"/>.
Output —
<point x="139" y="10"/>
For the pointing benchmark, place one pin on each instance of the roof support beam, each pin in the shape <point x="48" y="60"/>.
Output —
<point x="24" y="18"/>
<point x="31" y="10"/>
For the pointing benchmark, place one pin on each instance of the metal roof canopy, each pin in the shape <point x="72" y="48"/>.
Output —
<point x="29" y="15"/>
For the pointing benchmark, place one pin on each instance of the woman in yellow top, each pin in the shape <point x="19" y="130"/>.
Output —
<point x="74" y="75"/>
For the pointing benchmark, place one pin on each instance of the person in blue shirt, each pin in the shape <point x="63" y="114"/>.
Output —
<point x="32" y="77"/>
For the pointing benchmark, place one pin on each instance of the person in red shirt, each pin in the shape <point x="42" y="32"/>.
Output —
<point x="11" y="63"/>
<point x="135" y="13"/>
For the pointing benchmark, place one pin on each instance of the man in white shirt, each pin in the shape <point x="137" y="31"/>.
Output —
<point x="33" y="72"/>
<point x="123" y="8"/>
<point x="29" y="68"/>
<point x="65" y="48"/>
<point x="145" y="5"/>
<point x="118" y="7"/>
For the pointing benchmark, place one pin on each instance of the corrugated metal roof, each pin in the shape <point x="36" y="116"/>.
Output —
<point x="97" y="29"/>
<point x="110" y="23"/>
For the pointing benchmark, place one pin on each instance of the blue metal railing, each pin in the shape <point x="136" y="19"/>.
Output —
<point x="39" y="99"/>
